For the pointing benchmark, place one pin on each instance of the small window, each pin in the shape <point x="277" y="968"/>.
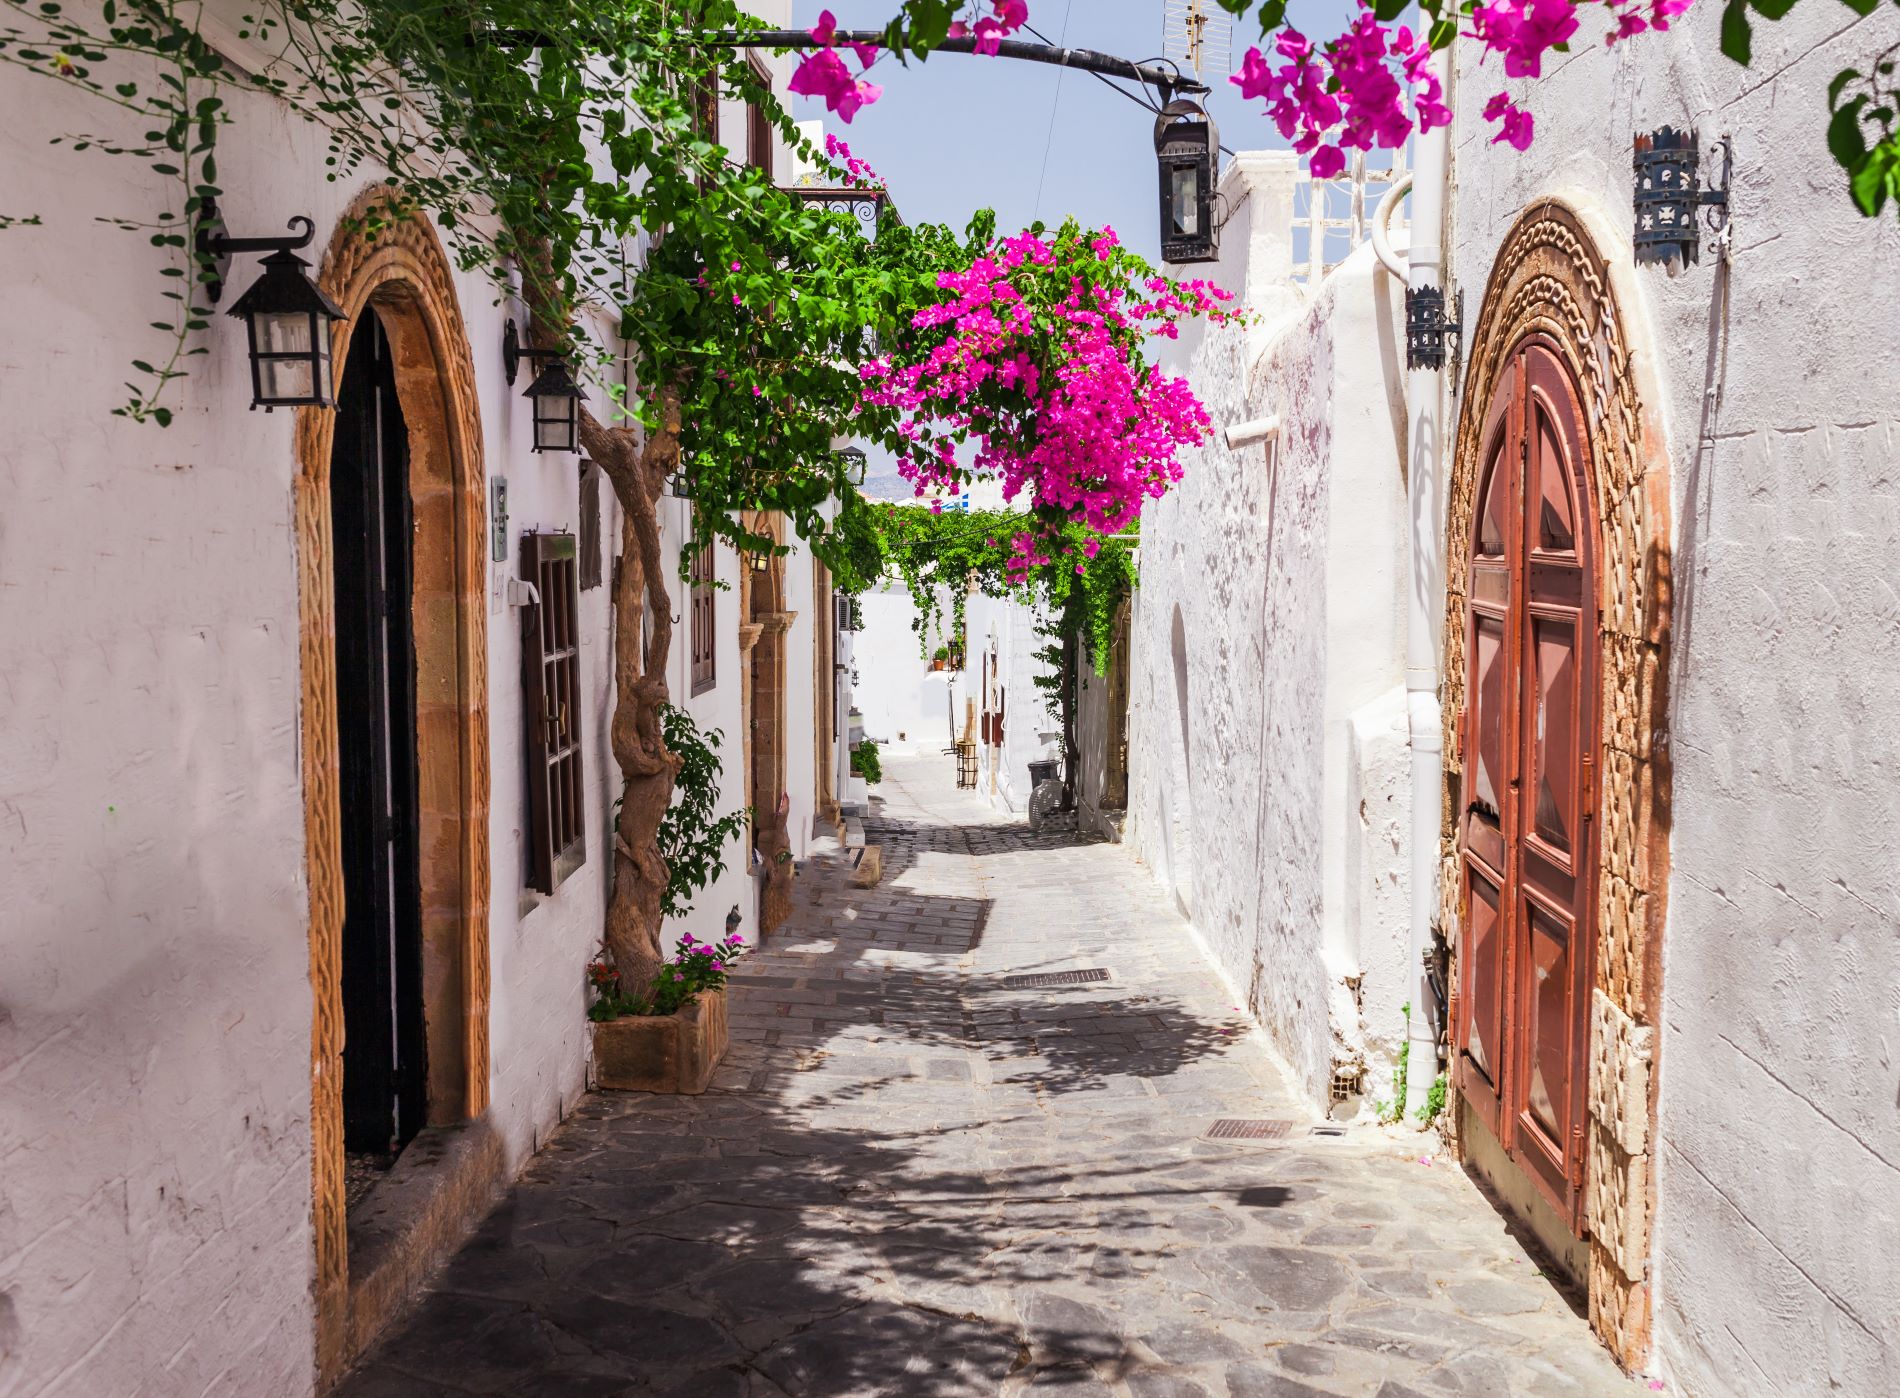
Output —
<point x="705" y="671"/>
<point x="758" y="131"/>
<point x="590" y="525"/>
<point x="550" y="678"/>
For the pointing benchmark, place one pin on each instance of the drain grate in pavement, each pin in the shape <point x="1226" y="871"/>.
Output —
<point x="1048" y="978"/>
<point x="1237" y="1129"/>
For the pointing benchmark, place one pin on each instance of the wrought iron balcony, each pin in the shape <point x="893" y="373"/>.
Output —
<point x="870" y="209"/>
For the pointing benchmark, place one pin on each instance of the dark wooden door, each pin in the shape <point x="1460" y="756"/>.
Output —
<point x="1527" y="832"/>
<point x="384" y="1079"/>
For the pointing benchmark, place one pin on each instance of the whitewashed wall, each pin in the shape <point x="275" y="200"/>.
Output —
<point x="905" y="703"/>
<point x="1006" y="627"/>
<point x="155" y="999"/>
<point x="1779" y="1055"/>
<point x="1266" y="770"/>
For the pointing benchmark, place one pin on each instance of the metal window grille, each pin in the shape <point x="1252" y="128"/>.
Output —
<point x="701" y="593"/>
<point x="550" y="674"/>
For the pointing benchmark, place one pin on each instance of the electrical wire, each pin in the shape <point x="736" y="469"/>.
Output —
<point x="1049" y="140"/>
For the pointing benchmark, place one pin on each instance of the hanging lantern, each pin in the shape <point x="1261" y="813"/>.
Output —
<point x="557" y="408"/>
<point x="287" y="315"/>
<point x="555" y="397"/>
<point x="1187" y="146"/>
<point x="1667" y="195"/>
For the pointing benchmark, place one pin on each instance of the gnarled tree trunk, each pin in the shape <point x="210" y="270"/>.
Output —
<point x="638" y="471"/>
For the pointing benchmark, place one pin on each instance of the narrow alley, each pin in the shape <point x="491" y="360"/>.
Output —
<point x="917" y="1174"/>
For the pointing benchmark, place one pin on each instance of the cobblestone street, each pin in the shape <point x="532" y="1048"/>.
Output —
<point x="914" y="1178"/>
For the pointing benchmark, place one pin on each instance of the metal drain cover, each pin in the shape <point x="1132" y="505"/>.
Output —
<point x="1237" y="1129"/>
<point x="1048" y="978"/>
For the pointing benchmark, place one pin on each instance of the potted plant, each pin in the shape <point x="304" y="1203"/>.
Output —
<point x="940" y="658"/>
<point x="671" y="1036"/>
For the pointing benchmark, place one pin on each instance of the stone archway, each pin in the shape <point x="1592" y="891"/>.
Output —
<point x="403" y="274"/>
<point x="1550" y="278"/>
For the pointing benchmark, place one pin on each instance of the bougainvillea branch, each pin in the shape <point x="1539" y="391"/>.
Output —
<point x="1028" y="368"/>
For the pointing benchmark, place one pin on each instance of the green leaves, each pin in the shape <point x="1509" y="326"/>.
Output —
<point x="1738" y="37"/>
<point x="1862" y="103"/>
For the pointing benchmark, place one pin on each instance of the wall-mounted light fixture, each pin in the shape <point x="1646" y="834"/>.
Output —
<point x="759" y="560"/>
<point x="1428" y="328"/>
<point x="287" y="315"/>
<point x="1187" y="147"/>
<point x="1668" y="193"/>
<point x="555" y="397"/>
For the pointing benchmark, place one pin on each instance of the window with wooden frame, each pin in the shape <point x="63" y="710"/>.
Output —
<point x="758" y="129"/>
<point x="705" y="670"/>
<point x="550" y="679"/>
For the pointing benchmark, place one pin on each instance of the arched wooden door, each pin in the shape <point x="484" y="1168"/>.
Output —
<point x="1527" y="829"/>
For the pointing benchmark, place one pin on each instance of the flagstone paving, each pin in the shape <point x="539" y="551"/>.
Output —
<point x="910" y="1178"/>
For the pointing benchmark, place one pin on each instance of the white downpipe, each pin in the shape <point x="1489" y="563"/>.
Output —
<point x="1394" y="260"/>
<point x="1424" y="395"/>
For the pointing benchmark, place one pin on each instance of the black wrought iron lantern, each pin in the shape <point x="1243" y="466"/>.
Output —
<point x="1668" y="194"/>
<point x="1429" y="329"/>
<point x="288" y="316"/>
<point x="555" y="398"/>
<point x="1187" y="147"/>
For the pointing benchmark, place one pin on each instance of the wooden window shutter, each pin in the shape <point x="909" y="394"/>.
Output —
<point x="590" y="525"/>
<point x="700" y="601"/>
<point x="550" y="679"/>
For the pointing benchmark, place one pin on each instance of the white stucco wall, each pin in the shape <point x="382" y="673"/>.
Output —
<point x="1006" y="628"/>
<point x="905" y="704"/>
<point x="1268" y="621"/>
<point x="155" y="1001"/>
<point x="1779" y="1140"/>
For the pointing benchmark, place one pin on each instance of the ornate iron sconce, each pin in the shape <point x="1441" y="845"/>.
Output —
<point x="1667" y="194"/>
<point x="1428" y="329"/>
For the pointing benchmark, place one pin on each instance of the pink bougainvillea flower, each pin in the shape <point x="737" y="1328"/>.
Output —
<point x="867" y="54"/>
<point x="1524" y="30"/>
<point x="1519" y="126"/>
<point x="826" y="30"/>
<point x="959" y="30"/>
<point x="1326" y="162"/>
<point x="823" y="73"/>
<point x="1662" y="11"/>
<point x="1628" y="25"/>
<point x="989" y="36"/>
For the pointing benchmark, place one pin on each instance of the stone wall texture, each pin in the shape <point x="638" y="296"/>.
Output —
<point x="1771" y="975"/>
<point x="1270" y="612"/>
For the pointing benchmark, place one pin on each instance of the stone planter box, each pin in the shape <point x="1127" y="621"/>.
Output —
<point x="663" y="1053"/>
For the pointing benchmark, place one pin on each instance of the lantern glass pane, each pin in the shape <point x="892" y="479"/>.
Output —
<point x="286" y="380"/>
<point x="285" y="332"/>
<point x="1184" y="200"/>
<point x="554" y="424"/>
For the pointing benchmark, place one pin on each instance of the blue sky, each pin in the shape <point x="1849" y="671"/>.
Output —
<point x="962" y="132"/>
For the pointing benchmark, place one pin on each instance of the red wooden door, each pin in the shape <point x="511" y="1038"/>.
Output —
<point x="1527" y="833"/>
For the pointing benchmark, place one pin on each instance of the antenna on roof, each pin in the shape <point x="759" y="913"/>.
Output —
<point x="1197" y="39"/>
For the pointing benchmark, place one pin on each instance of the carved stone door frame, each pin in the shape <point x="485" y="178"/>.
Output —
<point x="1551" y="280"/>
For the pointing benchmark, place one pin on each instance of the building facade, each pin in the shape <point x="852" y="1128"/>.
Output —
<point x="1665" y="864"/>
<point x="299" y="896"/>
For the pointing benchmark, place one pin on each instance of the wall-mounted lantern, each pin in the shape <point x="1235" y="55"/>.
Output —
<point x="1668" y="193"/>
<point x="855" y="464"/>
<point x="1187" y="147"/>
<point x="287" y="315"/>
<point x="1428" y="327"/>
<point x="759" y="561"/>
<point x="555" y="397"/>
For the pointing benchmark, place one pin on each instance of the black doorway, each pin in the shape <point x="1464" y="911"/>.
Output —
<point x="384" y="1073"/>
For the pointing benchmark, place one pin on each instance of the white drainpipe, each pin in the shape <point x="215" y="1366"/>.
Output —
<point x="1425" y="610"/>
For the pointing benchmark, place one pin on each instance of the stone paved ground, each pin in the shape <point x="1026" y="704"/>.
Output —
<point x="912" y="1179"/>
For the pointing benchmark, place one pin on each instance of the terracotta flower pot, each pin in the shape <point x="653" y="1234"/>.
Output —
<point x="663" y="1053"/>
